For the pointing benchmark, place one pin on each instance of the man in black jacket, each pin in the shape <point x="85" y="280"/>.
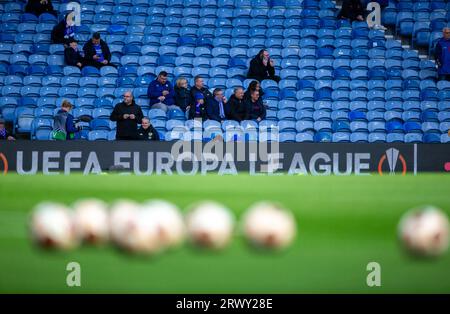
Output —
<point x="200" y="88"/>
<point x="72" y="55"/>
<point x="262" y="67"/>
<point x="96" y="52"/>
<point x="147" y="132"/>
<point x="237" y="108"/>
<point x="128" y="115"/>
<point x="37" y="7"/>
<point x="64" y="31"/>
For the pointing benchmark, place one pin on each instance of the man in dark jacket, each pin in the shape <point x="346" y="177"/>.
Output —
<point x="199" y="88"/>
<point x="217" y="107"/>
<point x="37" y="7"/>
<point x="72" y="55"/>
<point x="255" y="107"/>
<point x="161" y="93"/>
<point x="147" y="132"/>
<point x="4" y="134"/>
<point x="96" y="52"/>
<point x="64" y="31"/>
<point x="127" y="114"/>
<point x="352" y="10"/>
<point x="442" y="55"/>
<point x="236" y="105"/>
<point x="262" y="67"/>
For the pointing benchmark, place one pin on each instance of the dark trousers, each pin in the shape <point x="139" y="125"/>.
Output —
<point x="126" y="138"/>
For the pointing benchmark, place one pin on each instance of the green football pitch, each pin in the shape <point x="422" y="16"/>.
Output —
<point x="344" y="223"/>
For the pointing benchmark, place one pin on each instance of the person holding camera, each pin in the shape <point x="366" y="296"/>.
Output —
<point x="262" y="67"/>
<point x="64" y="127"/>
<point x="217" y="108"/>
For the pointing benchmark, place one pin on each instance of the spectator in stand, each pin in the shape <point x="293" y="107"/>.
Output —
<point x="64" y="127"/>
<point x="182" y="96"/>
<point x="161" y="93"/>
<point x="4" y="134"/>
<point x="96" y="52"/>
<point x="73" y="56"/>
<point x="37" y="7"/>
<point x="217" y="108"/>
<point x="198" y="109"/>
<point x="64" y="31"/>
<point x="128" y="115"/>
<point x="442" y="55"/>
<point x="199" y="88"/>
<point x="262" y="67"/>
<point x="147" y="132"/>
<point x="255" y="107"/>
<point x="254" y="85"/>
<point x="352" y="10"/>
<point x="236" y="104"/>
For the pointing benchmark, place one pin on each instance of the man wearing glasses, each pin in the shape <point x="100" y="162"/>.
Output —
<point x="128" y="115"/>
<point x="442" y="55"/>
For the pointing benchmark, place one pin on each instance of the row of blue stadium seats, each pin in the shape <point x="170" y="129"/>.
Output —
<point x="12" y="85"/>
<point x="309" y="4"/>
<point x="220" y="74"/>
<point x="337" y="137"/>
<point x="392" y="121"/>
<point x="322" y="94"/>
<point x="26" y="122"/>
<point x="191" y="36"/>
<point x="258" y="29"/>
<point x="291" y="58"/>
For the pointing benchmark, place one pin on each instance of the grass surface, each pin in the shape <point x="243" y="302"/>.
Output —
<point x="343" y="224"/>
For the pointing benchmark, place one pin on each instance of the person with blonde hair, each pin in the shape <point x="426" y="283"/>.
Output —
<point x="182" y="96"/>
<point x="63" y="125"/>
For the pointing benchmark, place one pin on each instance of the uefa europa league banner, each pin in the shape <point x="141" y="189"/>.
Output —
<point x="229" y="158"/>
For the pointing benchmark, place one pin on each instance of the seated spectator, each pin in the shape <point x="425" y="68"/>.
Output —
<point x="161" y="93"/>
<point x="262" y="67"/>
<point x="72" y="55"/>
<point x="63" y="31"/>
<point x="147" y="132"/>
<point x="198" y="109"/>
<point x="96" y="52"/>
<point x="64" y="127"/>
<point x="182" y="96"/>
<point x="4" y="134"/>
<point x="255" y="107"/>
<point x="254" y="85"/>
<point x="200" y="88"/>
<point x="217" y="108"/>
<point x="37" y="7"/>
<point x="352" y="10"/>
<point x="128" y="115"/>
<point x="237" y="108"/>
<point x="442" y="55"/>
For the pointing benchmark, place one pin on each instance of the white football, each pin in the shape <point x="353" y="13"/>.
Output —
<point x="169" y="220"/>
<point x="210" y="224"/>
<point x="269" y="225"/>
<point x="122" y="217"/>
<point x="425" y="231"/>
<point x="91" y="220"/>
<point x="52" y="226"/>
